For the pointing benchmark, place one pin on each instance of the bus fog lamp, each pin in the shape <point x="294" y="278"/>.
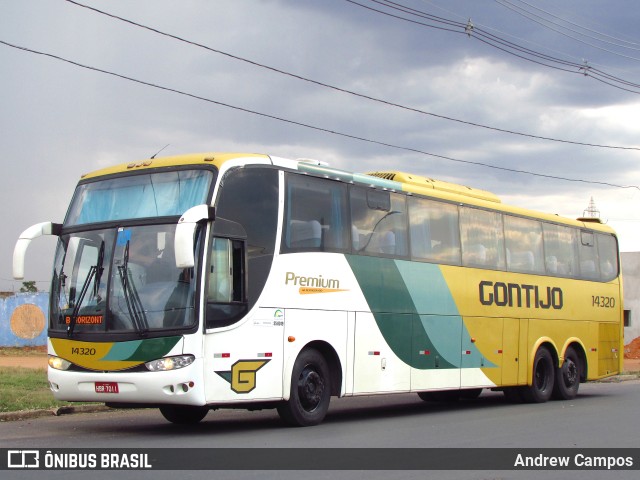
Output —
<point x="170" y="363"/>
<point x="58" y="363"/>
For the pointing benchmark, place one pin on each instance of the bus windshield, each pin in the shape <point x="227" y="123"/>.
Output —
<point x="121" y="280"/>
<point x="139" y="196"/>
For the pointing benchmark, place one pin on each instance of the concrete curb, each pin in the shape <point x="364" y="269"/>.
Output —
<point x="56" y="412"/>
<point x="623" y="377"/>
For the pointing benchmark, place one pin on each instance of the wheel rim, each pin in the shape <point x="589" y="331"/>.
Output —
<point x="570" y="373"/>
<point x="310" y="388"/>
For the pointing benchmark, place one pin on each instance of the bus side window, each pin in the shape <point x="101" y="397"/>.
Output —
<point x="482" y="238"/>
<point x="560" y="247"/>
<point x="589" y="267"/>
<point x="523" y="240"/>
<point x="305" y="234"/>
<point x="435" y="234"/>
<point x="316" y="215"/>
<point x="607" y="257"/>
<point x="379" y="222"/>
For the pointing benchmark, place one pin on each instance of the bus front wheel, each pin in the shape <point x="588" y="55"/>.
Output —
<point x="543" y="378"/>
<point x="182" y="414"/>
<point x="310" y="391"/>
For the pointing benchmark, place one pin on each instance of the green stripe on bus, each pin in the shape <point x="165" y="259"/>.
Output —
<point x="395" y="312"/>
<point x="141" y="350"/>
<point x="416" y="313"/>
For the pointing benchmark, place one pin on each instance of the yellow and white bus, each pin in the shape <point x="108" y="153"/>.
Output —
<point x="211" y="281"/>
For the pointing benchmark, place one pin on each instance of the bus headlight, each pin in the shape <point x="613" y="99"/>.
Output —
<point x="58" y="363"/>
<point x="170" y="363"/>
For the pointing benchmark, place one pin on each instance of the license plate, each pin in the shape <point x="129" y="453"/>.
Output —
<point x="107" y="387"/>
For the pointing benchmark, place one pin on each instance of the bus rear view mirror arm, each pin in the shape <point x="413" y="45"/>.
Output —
<point x="20" y="250"/>
<point x="185" y="232"/>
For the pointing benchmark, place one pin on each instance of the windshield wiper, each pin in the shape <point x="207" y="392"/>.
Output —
<point x="76" y="308"/>
<point x="94" y="272"/>
<point x="134" y="305"/>
<point x="99" y="270"/>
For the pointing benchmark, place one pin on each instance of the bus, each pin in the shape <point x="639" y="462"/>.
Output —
<point x="220" y="280"/>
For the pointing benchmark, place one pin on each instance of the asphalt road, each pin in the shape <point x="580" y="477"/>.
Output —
<point x="605" y="415"/>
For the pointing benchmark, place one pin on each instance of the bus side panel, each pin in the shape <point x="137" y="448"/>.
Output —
<point x="305" y="327"/>
<point x="608" y="349"/>
<point x="510" y="351"/>
<point x="523" y="357"/>
<point x="319" y="295"/>
<point x="376" y="368"/>
<point x="436" y="357"/>
<point x="245" y="362"/>
<point x="486" y="334"/>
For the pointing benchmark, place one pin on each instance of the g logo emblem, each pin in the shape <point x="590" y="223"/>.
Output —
<point x="243" y="374"/>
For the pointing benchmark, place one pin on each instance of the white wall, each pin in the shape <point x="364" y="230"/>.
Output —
<point x="631" y="279"/>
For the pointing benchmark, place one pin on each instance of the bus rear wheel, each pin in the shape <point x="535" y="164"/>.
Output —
<point x="310" y="391"/>
<point x="568" y="376"/>
<point x="183" y="414"/>
<point x="543" y="378"/>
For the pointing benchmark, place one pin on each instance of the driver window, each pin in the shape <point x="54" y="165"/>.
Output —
<point x="221" y="272"/>
<point x="226" y="297"/>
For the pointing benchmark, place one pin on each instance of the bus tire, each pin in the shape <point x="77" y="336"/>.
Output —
<point x="310" y="391"/>
<point x="568" y="376"/>
<point x="183" y="414"/>
<point x="543" y="378"/>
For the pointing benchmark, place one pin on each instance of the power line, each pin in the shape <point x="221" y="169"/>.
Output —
<point x="618" y="42"/>
<point x="585" y="68"/>
<point x="350" y="92"/>
<point x="506" y="46"/>
<point x="582" y="26"/>
<point x="487" y="28"/>
<point x="471" y="31"/>
<point x="309" y="126"/>
<point x="532" y="16"/>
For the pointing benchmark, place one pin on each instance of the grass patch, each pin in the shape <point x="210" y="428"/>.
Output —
<point x="25" y="389"/>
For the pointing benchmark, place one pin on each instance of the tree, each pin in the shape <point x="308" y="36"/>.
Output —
<point x="28" y="287"/>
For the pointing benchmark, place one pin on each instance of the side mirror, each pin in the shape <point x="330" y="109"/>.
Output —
<point x="185" y="231"/>
<point x="20" y="250"/>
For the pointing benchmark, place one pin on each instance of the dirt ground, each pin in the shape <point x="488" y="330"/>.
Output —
<point x="31" y="361"/>
<point x="632" y="364"/>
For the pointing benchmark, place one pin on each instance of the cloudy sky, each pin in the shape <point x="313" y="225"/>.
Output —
<point x="427" y="81"/>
